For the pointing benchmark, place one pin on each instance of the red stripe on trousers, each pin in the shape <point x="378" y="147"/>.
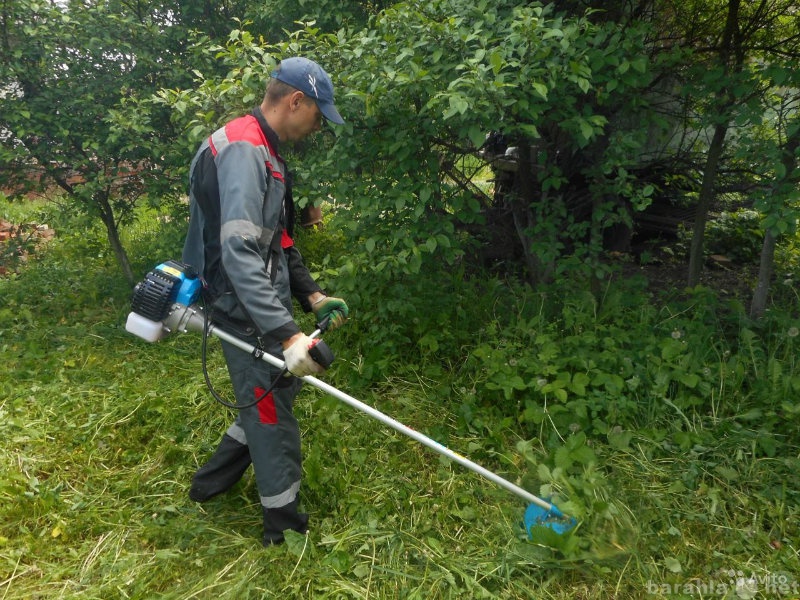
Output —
<point x="266" y="408"/>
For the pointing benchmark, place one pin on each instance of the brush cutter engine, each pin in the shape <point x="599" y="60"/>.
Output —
<point x="160" y="301"/>
<point x="166" y="301"/>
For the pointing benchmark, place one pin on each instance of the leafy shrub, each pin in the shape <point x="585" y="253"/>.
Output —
<point x="738" y="235"/>
<point x="557" y="361"/>
<point x="613" y="366"/>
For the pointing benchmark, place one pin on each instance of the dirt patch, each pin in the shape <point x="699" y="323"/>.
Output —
<point x="19" y="242"/>
<point x="728" y="279"/>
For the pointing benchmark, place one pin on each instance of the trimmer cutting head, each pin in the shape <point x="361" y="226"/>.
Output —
<point x="552" y="518"/>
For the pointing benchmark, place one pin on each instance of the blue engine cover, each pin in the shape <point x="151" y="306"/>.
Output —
<point x="190" y="283"/>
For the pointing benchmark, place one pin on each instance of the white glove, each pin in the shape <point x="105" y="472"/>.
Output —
<point x="298" y="360"/>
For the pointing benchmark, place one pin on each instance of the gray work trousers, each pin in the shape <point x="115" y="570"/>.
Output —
<point x="269" y="429"/>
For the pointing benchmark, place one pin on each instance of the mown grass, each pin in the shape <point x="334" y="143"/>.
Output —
<point x="101" y="433"/>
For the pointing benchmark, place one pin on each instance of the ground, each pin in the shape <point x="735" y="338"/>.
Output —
<point x="730" y="281"/>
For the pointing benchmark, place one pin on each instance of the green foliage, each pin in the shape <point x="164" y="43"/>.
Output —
<point x="275" y="18"/>
<point x="430" y="107"/>
<point x="605" y="106"/>
<point x="67" y="73"/>
<point x="738" y="235"/>
<point x="538" y="77"/>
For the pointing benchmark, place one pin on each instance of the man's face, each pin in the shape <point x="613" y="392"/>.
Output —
<point x="305" y="120"/>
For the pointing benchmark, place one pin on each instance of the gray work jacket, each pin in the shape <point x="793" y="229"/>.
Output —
<point x="237" y="235"/>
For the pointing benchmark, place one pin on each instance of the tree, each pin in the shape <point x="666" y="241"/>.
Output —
<point x="436" y="78"/>
<point x="723" y="92"/>
<point x="65" y="71"/>
<point x="274" y="20"/>
<point x="590" y="104"/>
<point x="424" y="84"/>
<point x="779" y="203"/>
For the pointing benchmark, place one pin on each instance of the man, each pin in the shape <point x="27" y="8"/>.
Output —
<point x="239" y="239"/>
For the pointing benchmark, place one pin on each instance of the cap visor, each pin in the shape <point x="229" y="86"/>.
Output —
<point x="329" y="112"/>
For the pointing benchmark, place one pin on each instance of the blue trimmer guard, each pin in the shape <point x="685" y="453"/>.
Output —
<point x="552" y="518"/>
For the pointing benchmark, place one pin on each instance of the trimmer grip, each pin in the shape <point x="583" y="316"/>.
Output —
<point x="321" y="353"/>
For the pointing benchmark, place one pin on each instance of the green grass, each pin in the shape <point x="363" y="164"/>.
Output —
<point x="101" y="433"/>
<point x="102" y="439"/>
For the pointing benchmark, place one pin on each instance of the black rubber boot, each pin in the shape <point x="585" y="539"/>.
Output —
<point x="278" y="520"/>
<point x="222" y="470"/>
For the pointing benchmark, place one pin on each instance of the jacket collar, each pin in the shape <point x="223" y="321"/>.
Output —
<point x="269" y="133"/>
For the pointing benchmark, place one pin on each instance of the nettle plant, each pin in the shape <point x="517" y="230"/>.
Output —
<point x="605" y="370"/>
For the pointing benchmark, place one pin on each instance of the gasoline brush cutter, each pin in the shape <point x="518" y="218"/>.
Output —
<point x="167" y="301"/>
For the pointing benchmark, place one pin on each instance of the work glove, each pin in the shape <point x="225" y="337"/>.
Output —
<point x="333" y="308"/>
<point x="298" y="360"/>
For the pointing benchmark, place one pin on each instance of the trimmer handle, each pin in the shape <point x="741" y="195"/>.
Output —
<point x="322" y="327"/>
<point x="320" y="351"/>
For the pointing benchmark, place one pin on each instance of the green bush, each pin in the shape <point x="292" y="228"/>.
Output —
<point x="737" y="235"/>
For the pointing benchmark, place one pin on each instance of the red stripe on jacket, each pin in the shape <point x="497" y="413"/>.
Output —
<point x="247" y="129"/>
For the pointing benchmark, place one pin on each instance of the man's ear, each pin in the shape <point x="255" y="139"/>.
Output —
<point x="296" y="99"/>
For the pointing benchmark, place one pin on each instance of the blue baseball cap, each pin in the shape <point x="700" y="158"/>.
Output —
<point x="311" y="79"/>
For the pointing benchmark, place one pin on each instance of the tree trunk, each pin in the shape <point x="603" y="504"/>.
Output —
<point x="522" y="221"/>
<point x="107" y="216"/>
<point x="704" y="203"/>
<point x="759" y="303"/>
<point x="767" y="262"/>
<point x="521" y="202"/>
<point x="730" y="55"/>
